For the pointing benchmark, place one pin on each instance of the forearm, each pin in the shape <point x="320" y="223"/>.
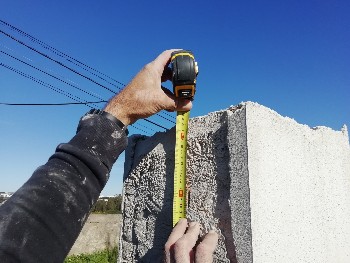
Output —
<point x="44" y="217"/>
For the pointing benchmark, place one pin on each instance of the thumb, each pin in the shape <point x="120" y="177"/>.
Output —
<point x="183" y="104"/>
<point x="171" y="103"/>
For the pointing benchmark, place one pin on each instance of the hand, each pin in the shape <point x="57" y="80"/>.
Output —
<point x="145" y="96"/>
<point x="180" y="246"/>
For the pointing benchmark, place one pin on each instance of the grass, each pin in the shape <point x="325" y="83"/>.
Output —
<point x="104" y="256"/>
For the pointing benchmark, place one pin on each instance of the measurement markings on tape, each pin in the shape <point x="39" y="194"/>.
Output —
<point x="184" y="73"/>
<point x="179" y="201"/>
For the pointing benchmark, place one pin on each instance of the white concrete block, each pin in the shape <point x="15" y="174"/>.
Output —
<point x="276" y="190"/>
<point x="299" y="179"/>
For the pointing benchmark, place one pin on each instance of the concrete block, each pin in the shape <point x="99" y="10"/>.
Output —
<point x="275" y="190"/>
<point x="100" y="232"/>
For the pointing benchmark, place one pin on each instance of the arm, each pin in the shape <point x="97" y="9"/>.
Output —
<point x="41" y="221"/>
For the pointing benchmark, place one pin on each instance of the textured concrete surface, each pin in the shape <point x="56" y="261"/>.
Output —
<point x="275" y="190"/>
<point x="99" y="232"/>
<point x="299" y="181"/>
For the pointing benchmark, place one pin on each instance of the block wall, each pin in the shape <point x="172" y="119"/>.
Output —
<point x="275" y="190"/>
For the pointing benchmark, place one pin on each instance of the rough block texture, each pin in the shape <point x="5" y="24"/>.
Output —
<point x="275" y="190"/>
<point x="99" y="232"/>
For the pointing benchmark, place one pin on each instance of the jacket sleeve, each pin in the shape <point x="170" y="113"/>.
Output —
<point x="41" y="221"/>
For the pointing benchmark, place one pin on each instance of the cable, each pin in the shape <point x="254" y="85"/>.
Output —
<point x="48" y="57"/>
<point x="135" y="126"/>
<point x="61" y="54"/>
<point x="155" y="124"/>
<point x="57" y="89"/>
<point x="67" y="94"/>
<point x="37" y="51"/>
<point x="76" y="86"/>
<point x="60" y="91"/>
<point x="51" y="104"/>
<point x="56" y="61"/>
<point x="50" y="75"/>
<point x="146" y="127"/>
<point x="57" y="52"/>
<point x="167" y="118"/>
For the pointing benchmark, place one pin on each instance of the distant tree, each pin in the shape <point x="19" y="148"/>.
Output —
<point x="111" y="205"/>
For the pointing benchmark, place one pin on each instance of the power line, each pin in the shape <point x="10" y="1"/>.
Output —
<point x="56" y="61"/>
<point x="71" y="59"/>
<point x="58" y="90"/>
<point x="61" y="91"/>
<point x="51" y="104"/>
<point x="59" y="53"/>
<point x="50" y="75"/>
<point x="146" y="127"/>
<point x="60" y="63"/>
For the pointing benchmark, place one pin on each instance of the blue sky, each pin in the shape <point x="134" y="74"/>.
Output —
<point x="291" y="56"/>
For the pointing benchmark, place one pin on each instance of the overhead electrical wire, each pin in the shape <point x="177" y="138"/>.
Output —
<point x="139" y="124"/>
<point x="69" y="58"/>
<point x="67" y="94"/>
<point x="59" y="53"/>
<point x="50" y="75"/>
<point x="73" y="85"/>
<point x="73" y="70"/>
<point x="135" y="126"/>
<point x="58" y="90"/>
<point x="51" y="104"/>
<point x="58" y="62"/>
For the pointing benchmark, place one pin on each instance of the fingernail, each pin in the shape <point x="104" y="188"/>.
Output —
<point x="182" y="220"/>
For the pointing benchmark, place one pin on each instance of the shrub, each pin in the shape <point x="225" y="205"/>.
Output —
<point x="105" y="256"/>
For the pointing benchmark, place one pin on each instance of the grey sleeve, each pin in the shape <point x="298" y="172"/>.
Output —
<point x="41" y="221"/>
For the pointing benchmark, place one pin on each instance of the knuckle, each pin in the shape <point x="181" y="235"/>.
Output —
<point x="167" y="246"/>
<point x="203" y="249"/>
<point x="149" y="68"/>
<point x="180" y="245"/>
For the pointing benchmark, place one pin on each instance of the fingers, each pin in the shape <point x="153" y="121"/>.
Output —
<point x="205" y="249"/>
<point x="143" y="97"/>
<point x="176" y="104"/>
<point x="162" y="60"/>
<point x="183" y="248"/>
<point x="167" y="74"/>
<point x="171" y="103"/>
<point x="181" y="243"/>
<point x="175" y="235"/>
<point x="178" y="231"/>
<point x="183" y="105"/>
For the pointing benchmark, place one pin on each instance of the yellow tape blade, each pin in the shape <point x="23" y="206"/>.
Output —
<point x="179" y="201"/>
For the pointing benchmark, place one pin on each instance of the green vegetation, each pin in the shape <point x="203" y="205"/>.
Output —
<point x="105" y="256"/>
<point x="108" y="205"/>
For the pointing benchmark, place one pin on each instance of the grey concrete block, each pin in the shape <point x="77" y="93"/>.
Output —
<point x="275" y="190"/>
<point x="100" y="232"/>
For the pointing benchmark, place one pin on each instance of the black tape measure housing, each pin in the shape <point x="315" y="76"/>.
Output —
<point x="184" y="73"/>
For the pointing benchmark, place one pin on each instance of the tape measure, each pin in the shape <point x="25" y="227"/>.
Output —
<point x="179" y="201"/>
<point x="184" y="73"/>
